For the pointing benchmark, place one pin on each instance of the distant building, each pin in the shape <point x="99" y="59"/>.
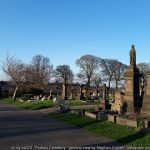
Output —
<point x="5" y="87"/>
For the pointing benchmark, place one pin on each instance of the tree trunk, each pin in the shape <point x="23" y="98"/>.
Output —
<point x="116" y="84"/>
<point x="66" y="94"/>
<point x="64" y="91"/>
<point x="109" y="82"/>
<point x="97" y="87"/>
<point x="87" y="87"/>
<point x="14" y="95"/>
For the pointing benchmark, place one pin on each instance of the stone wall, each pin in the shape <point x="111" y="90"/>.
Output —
<point x="123" y="121"/>
<point x="112" y="118"/>
<point x="91" y="115"/>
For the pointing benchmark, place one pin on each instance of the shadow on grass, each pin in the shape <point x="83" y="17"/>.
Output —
<point x="35" y="108"/>
<point x="76" y="120"/>
<point x="133" y="137"/>
<point x="83" y="122"/>
<point x="123" y="142"/>
<point x="83" y="125"/>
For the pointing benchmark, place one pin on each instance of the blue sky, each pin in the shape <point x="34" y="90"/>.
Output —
<point x="64" y="30"/>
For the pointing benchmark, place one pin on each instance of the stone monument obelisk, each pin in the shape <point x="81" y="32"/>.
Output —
<point x="132" y="76"/>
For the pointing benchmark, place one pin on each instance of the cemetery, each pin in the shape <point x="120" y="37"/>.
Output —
<point x="131" y="106"/>
<point x="128" y="106"/>
<point x="71" y="77"/>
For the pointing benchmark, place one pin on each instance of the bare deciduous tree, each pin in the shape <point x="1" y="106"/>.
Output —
<point x="15" y="70"/>
<point x="88" y="65"/>
<point x="81" y="77"/>
<point x="119" y="69"/>
<point x="113" y="70"/>
<point x="64" y="74"/>
<point x="39" y="71"/>
<point x="143" y="67"/>
<point x="96" y="79"/>
<point x="107" y="69"/>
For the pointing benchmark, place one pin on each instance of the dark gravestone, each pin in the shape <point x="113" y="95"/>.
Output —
<point x="132" y="76"/>
<point x="104" y="92"/>
<point x="103" y="104"/>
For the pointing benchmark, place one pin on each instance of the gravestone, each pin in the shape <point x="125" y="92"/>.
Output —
<point x="119" y="98"/>
<point x="146" y="99"/>
<point x="132" y="76"/>
<point x="71" y="93"/>
<point x="80" y="95"/>
<point x="64" y="91"/>
<point x="104" y="92"/>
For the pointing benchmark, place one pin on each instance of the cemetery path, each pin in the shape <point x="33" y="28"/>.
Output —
<point x="29" y="129"/>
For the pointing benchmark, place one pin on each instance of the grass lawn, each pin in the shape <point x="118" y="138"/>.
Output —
<point x="123" y="134"/>
<point x="79" y="102"/>
<point x="34" y="105"/>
